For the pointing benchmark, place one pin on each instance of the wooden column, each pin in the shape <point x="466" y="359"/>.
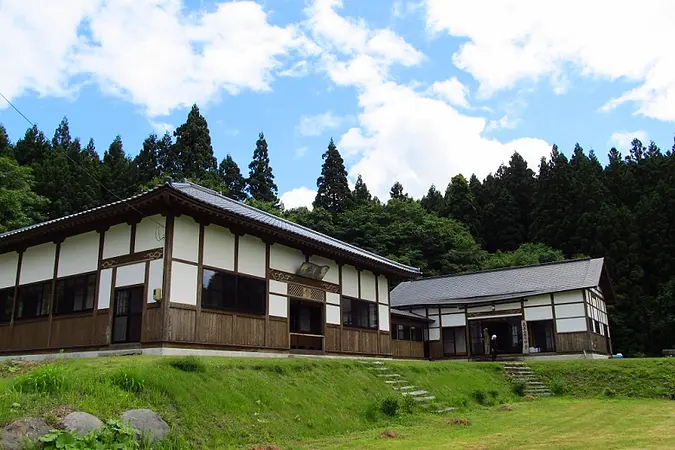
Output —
<point x="468" y="336"/>
<point x="166" y="282"/>
<point x="16" y="296"/>
<point x="200" y="276"/>
<point x="555" y="325"/>
<point x="52" y="296"/>
<point x="267" y="295"/>
<point x="341" y="319"/>
<point x="588" y="330"/>
<point x="101" y="241"/>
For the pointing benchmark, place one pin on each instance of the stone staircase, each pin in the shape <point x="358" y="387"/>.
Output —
<point x="521" y="372"/>
<point x="398" y="383"/>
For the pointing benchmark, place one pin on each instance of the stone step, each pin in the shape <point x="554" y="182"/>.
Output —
<point x="535" y="383"/>
<point x="428" y="398"/>
<point x="378" y="368"/>
<point x="415" y="393"/>
<point x="407" y="388"/>
<point x="445" y="410"/>
<point x="389" y="375"/>
<point x="395" y="381"/>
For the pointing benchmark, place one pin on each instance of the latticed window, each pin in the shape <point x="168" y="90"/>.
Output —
<point x="359" y="313"/>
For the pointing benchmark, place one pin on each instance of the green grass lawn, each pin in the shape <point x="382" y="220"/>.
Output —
<point x="551" y="424"/>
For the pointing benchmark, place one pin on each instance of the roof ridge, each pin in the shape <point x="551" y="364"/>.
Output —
<point x="252" y="208"/>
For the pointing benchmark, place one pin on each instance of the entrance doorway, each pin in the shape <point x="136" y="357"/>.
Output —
<point x="127" y="315"/>
<point x="508" y="330"/>
<point x="306" y="324"/>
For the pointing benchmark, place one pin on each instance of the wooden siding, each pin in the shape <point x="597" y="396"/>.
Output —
<point x="30" y="335"/>
<point x="408" y="349"/>
<point x="101" y="330"/>
<point x="385" y="343"/>
<point x="332" y="338"/>
<point x="599" y="343"/>
<point x="181" y="324"/>
<point x="249" y="331"/>
<point x="69" y="331"/>
<point x="215" y="328"/>
<point x="436" y="349"/>
<point x="572" y="342"/>
<point x="5" y="336"/>
<point x="277" y="333"/>
<point x="359" y="341"/>
<point x="152" y="324"/>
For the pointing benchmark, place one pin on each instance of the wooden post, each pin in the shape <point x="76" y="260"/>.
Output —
<point x="52" y="296"/>
<point x="166" y="282"/>
<point x="200" y="277"/>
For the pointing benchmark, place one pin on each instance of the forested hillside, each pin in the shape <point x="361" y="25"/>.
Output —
<point x="518" y="215"/>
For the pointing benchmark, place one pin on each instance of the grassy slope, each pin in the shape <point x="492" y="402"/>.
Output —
<point x="643" y="378"/>
<point x="552" y="424"/>
<point x="240" y="402"/>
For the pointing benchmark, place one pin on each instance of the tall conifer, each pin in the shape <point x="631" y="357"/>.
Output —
<point x="232" y="180"/>
<point x="333" y="192"/>
<point x="260" y="181"/>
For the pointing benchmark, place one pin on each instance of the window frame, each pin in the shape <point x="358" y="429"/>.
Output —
<point x="232" y="291"/>
<point x="350" y="316"/>
<point x="91" y="283"/>
<point x="46" y="287"/>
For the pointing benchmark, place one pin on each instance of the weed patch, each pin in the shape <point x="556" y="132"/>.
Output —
<point x="128" y="380"/>
<point x="518" y="387"/>
<point x="114" y="434"/>
<point x="459" y="421"/>
<point x="45" y="379"/>
<point x="390" y="406"/>
<point x="390" y="434"/>
<point x="188" y="364"/>
<point x="480" y="396"/>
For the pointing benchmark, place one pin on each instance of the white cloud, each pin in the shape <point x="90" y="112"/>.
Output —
<point x="161" y="127"/>
<point x="622" y="139"/>
<point x="298" y="197"/>
<point x="504" y="123"/>
<point x="452" y="90"/>
<point x="300" y="152"/>
<point x="316" y="125"/>
<point x="404" y="133"/>
<point x="152" y="53"/>
<point x="533" y="40"/>
<point x="401" y="9"/>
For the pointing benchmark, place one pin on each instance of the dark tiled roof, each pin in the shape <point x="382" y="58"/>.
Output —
<point x="409" y="315"/>
<point x="500" y="284"/>
<point x="218" y="200"/>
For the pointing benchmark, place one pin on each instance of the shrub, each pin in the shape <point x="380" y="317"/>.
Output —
<point x="558" y="386"/>
<point x="390" y="406"/>
<point x="518" y="387"/>
<point x="408" y="404"/>
<point x="114" y="434"/>
<point x="493" y="393"/>
<point x="480" y="396"/>
<point x="128" y="381"/>
<point x="608" y="392"/>
<point x="188" y="364"/>
<point x="459" y="401"/>
<point x="46" y="379"/>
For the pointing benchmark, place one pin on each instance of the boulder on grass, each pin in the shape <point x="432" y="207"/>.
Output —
<point x="15" y="434"/>
<point x="80" y="422"/>
<point x="147" y="422"/>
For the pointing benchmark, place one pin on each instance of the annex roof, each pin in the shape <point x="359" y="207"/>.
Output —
<point x="504" y="284"/>
<point x="409" y="315"/>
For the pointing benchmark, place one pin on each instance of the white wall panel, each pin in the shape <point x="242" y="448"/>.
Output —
<point x="218" y="247"/>
<point x="434" y="334"/>
<point x="368" y="286"/>
<point x="538" y="300"/>
<point x="286" y="259"/>
<point x="383" y="318"/>
<point x="278" y="306"/>
<point x="568" y="297"/>
<point x="186" y="239"/>
<point x="104" y="287"/>
<point x="155" y="278"/>
<point x="117" y="241"/>
<point x="506" y="306"/>
<point x="278" y="287"/>
<point x="571" y="310"/>
<point x="333" y="314"/>
<point x="475" y="309"/>
<point x="333" y="274"/>
<point x="183" y="283"/>
<point x="452" y="310"/>
<point x="382" y="289"/>
<point x="571" y="325"/>
<point x="538" y="313"/>
<point x="421" y="311"/>
<point x="37" y="263"/>
<point x="453" y="320"/>
<point x="350" y="281"/>
<point x="150" y="233"/>
<point x="332" y="298"/>
<point x="79" y="254"/>
<point x="251" y="256"/>
<point x="9" y="263"/>
<point x="130" y="275"/>
<point x="436" y="321"/>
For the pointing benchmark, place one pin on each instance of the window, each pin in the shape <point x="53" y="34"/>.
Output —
<point x="358" y="313"/>
<point x="33" y="301"/>
<point x="75" y="294"/>
<point x="416" y="334"/>
<point x="6" y="300"/>
<point x="227" y="291"/>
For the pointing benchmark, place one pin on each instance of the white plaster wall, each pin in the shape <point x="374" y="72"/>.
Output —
<point x="538" y="313"/>
<point x="382" y="289"/>
<point x="505" y="306"/>
<point x="183" y="283"/>
<point x="185" y="239"/>
<point x="155" y="278"/>
<point x="571" y="310"/>
<point x="332" y="298"/>
<point x="9" y="263"/>
<point x="383" y="317"/>
<point x="117" y="241"/>
<point x="286" y="259"/>
<point x="452" y="310"/>
<point x="38" y="263"/>
<point x="453" y="320"/>
<point x="333" y="274"/>
<point x="368" y="286"/>
<point x="568" y="297"/>
<point x="538" y="300"/>
<point x="149" y="233"/>
<point x="130" y="275"/>
<point x="218" y="247"/>
<point x="420" y="311"/>
<point x="251" y="256"/>
<point x="350" y="281"/>
<point x="79" y="254"/>
<point x="278" y="306"/>
<point x="436" y="321"/>
<point x="104" y="287"/>
<point x="333" y="314"/>
<point x="475" y="309"/>
<point x="571" y="325"/>
<point x="434" y="334"/>
<point x="278" y="287"/>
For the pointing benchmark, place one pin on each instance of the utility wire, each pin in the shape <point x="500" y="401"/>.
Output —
<point x="83" y="169"/>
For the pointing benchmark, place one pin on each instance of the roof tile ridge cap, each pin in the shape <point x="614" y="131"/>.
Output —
<point x="253" y="208"/>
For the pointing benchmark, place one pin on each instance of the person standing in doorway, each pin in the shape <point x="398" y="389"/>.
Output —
<point x="486" y="341"/>
<point x="493" y="347"/>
